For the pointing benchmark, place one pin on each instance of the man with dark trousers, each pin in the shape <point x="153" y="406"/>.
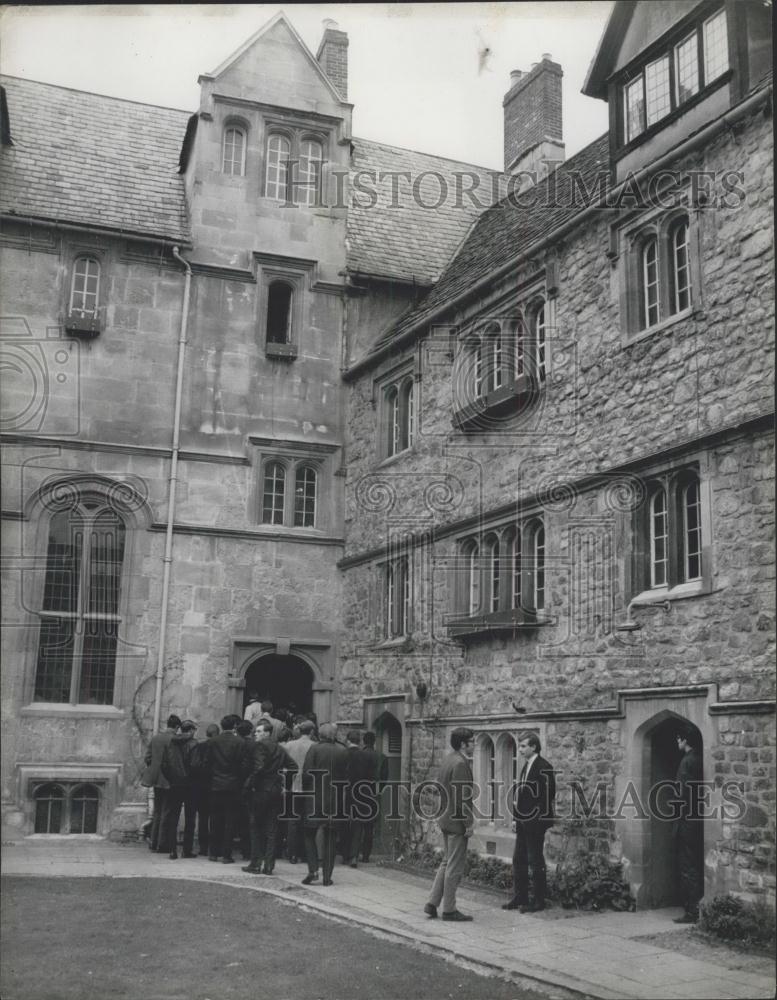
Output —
<point x="264" y="784"/>
<point x="227" y="764"/>
<point x="378" y="767"/>
<point x="456" y="824"/>
<point x="357" y="800"/>
<point x="324" y="780"/>
<point x="153" y="778"/>
<point x="201" y="787"/>
<point x="689" y="828"/>
<point x="533" y="801"/>
<point x="177" y="767"/>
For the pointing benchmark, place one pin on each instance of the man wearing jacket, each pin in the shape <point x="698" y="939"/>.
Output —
<point x="324" y="779"/>
<point x="177" y="762"/>
<point x="456" y="823"/>
<point x="153" y="778"/>
<point x="265" y="785"/>
<point x="227" y="760"/>
<point x="379" y="774"/>
<point x="689" y="827"/>
<point x="533" y="811"/>
<point x="298" y="751"/>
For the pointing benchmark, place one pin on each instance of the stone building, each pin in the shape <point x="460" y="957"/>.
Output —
<point x="410" y="460"/>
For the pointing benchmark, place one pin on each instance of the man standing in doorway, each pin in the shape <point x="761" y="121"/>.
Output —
<point x="689" y="828"/>
<point x="533" y="812"/>
<point x="456" y="825"/>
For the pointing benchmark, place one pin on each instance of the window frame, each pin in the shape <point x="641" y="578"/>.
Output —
<point x="68" y="798"/>
<point x="80" y="310"/>
<point x="286" y="513"/>
<point x="396" y="576"/>
<point x="397" y="405"/>
<point x="295" y="281"/>
<point x="286" y="193"/>
<point x="239" y="128"/>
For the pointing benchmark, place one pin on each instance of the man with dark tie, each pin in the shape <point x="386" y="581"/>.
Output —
<point x="533" y="812"/>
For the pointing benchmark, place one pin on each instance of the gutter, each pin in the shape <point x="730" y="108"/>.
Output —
<point x="688" y="146"/>
<point x="173" y="482"/>
<point x="32" y="220"/>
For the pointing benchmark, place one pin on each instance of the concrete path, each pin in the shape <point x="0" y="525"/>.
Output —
<point x="594" y="954"/>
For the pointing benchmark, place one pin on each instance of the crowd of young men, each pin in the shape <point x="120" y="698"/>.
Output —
<point x="273" y="784"/>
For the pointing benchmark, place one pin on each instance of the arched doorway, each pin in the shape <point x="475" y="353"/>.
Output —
<point x="388" y="741"/>
<point x="287" y="681"/>
<point x="664" y="757"/>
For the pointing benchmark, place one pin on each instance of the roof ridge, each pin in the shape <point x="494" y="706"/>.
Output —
<point x="94" y="93"/>
<point x="436" y="156"/>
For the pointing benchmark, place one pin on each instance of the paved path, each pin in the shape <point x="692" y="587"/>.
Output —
<point x="595" y="954"/>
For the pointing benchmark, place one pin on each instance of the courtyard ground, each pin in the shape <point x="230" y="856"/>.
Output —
<point x="612" y="956"/>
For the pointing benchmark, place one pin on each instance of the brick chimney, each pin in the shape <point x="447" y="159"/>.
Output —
<point x="332" y="56"/>
<point x="532" y="109"/>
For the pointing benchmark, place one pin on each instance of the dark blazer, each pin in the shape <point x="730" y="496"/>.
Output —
<point x="533" y="803"/>
<point x="325" y="764"/>
<point x="266" y="762"/>
<point x="457" y="790"/>
<point x="152" y="776"/>
<point x="177" y="760"/>
<point x="689" y="774"/>
<point x="227" y="761"/>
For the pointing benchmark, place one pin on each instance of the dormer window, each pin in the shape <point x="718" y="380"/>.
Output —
<point x="308" y="183"/>
<point x="663" y="85"/>
<point x="277" y="176"/>
<point x="233" y="160"/>
<point x="294" y="168"/>
<point x="85" y="286"/>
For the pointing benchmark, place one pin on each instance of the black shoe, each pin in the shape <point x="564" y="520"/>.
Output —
<point x="354" y="864"/>
<point x="188" y="854"/>
<point x="267" y="871"/>
<point x="173" y="855"/>
<point x="228" y="861"/>
<point x="532" y="907"/>
<point x="213" y="857"/>
<point x="431" y="910"/>
<point x="310" y="879"/>
<point x="514" y="904"/>
<point x="293" y="859"/>
<point x="456" y="915"/>
<point x="686" y="918"/>
<point x="327" y="881"/>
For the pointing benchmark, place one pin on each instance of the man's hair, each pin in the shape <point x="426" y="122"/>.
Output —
<point x="459" y="736"/>
<point x="306" y="726"/>
<point x="327" y="732"/>
<point x="212" y="730"/>
<point x="265" y="725"/>
<point x="173" y="722"/>
<point x="354" y="736"/>
<point x="532" y="739"/>
<point x="368" y="739"/>
<point x="188" y="726"/>
<point x="228" y="722"/>
<point x="244" y="728"/>
<point x="690" y="736"/>
<point x="253" y="696"/>
<point x="267" y="706"/>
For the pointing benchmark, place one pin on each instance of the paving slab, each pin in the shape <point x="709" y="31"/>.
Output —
<point x="589" y="954"/>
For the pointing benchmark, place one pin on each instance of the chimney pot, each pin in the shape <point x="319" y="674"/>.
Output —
<point x="534" y="65"/>
<point x="548" y="56"/>
<point x="329" y="23"/>
<point x="515" y="76"/>
<point x="332" y="56"/>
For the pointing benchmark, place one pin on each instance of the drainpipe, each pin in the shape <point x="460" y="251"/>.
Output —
<point x="173" y="482"/>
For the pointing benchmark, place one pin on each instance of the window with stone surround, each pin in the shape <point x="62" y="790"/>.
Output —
<point x="653" y="92"/>
<point x="281" y="506"/>
<point x="294" y="485"/>
<point x="660" y="273"/>
<point x="495" y="771"/>
<point x="396" y="400"/>
<point x="499" y="580"/>
<point x="233" y="152"/>
<point x="79" y="615"/>
<point x="671" y="529"/>
<point x="501" y="366"/>
<point x="294" y="166"/>
<point x="395" y="584"/>
<point x="66" y="808"/>
<point x="83" y="314"/>
<point x="282" y="293"/>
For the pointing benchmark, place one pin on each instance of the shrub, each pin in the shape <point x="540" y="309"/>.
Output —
<point x="586" y="882"/>
<point x="732" y="919"/>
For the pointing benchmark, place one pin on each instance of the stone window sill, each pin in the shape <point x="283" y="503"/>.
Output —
<point x="665" y="324"/>
<point x="56" y="710"/>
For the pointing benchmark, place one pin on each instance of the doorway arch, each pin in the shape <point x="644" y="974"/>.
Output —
<point x="285" y="680"/>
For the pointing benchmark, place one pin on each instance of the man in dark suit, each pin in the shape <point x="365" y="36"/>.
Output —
<point x="360" y="797"/>
<point x="456" y="823"/>
<point x="689" y="827"/>
<point x="324" y="780"/>
<point x="268" y="761"/>
<point x="533" y="811"/>
<point x="227" y="765"/>
<point x="153" y="778"/>
<point x="378" y="772"/>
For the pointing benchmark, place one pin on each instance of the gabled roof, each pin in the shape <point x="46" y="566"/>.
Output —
<point x="397" y="236"/>
<point x="607" y="50"/>
<point x="510" y="227"/>
<point x="279" y="18"/>
<point x="93" y="160"/>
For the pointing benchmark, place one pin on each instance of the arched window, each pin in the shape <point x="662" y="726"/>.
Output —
<point x="397" y="598"/>
<point x="273" y="493"/>
<point x="659" y="537"/>
<point x="308" y="186"/>
<point x="680" y="270"/>
<point x="407" y="405"/>
<point x="84" y="802"/>
<point x="394" y="422"/>
<point x="233" y="158"/>
<point x="305" y="481"/>
<point x="487" y="768"/>
<point x="650" y="282"/>
<point x="516" y="568"/>
<point x="494" y="574"/>
<point x="471" y="589"/>
<point x="539" y="568"/>
<point x="538" y="324"/>
<point x="85" y="286"/>
<point x="80" y="614"/>
<point x="691" y="507"/>
<point x="400" y="415"/>
<point x="277" y="168"/>
<point x="49" y="808"/>
<point x="280" y="299"/>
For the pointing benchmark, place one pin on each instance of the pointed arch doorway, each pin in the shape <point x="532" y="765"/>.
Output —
<point x="286" y="681"/>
